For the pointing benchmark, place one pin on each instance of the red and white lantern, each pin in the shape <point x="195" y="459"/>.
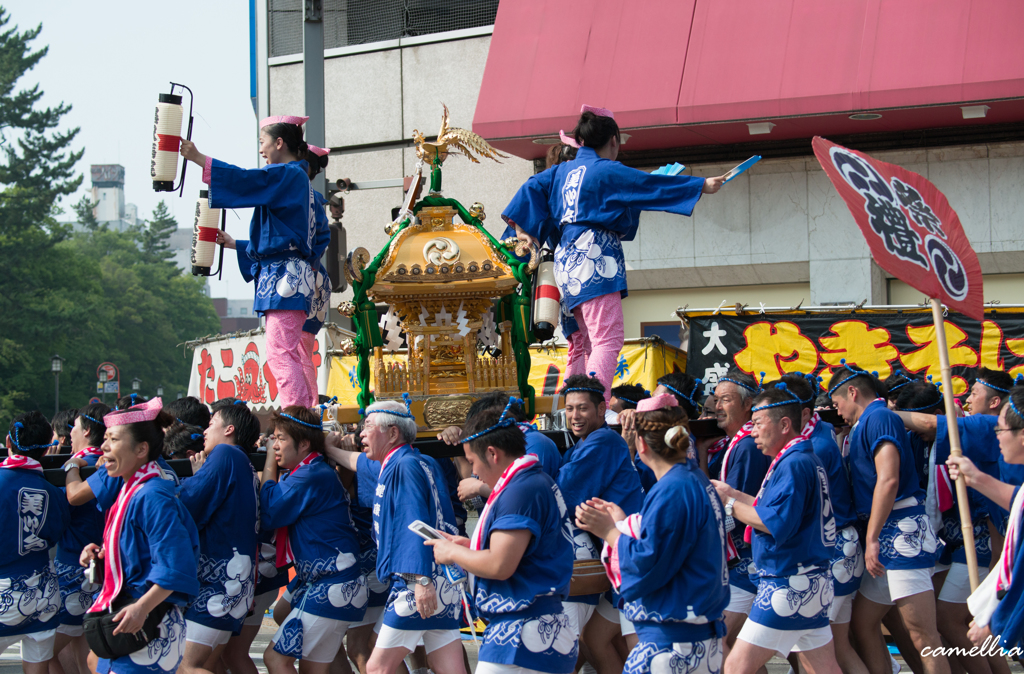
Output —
<point x="166" y="142"/>
<point x="204" y="235"/>
<point x="546" y="310"/>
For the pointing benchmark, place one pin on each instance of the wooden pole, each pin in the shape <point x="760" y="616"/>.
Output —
<point x="966" y="526"/>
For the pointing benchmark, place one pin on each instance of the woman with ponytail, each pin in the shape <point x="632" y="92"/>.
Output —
<point x="282" y="240"/>
<point x="583" y="209"/>
<point x="668" y="562"/>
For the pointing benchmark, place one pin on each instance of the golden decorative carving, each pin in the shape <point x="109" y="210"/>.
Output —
<point x="440" y="413"/>
<point x="452" y="138"/>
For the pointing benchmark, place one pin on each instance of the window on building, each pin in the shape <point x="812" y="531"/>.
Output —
<point x="243" y="311"/>
<point x="229" y="311"/>
<point x="350" y="22"/>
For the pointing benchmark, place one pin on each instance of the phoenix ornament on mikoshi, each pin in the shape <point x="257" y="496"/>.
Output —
<point x="453" y="138"/>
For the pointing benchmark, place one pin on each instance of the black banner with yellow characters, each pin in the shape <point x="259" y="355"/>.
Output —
<point x="877" y="341"/>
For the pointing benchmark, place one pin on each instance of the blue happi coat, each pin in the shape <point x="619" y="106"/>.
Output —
<point x="282" y="233"/>
<point x="793" y="559"/>
<point x="745" y="473"/>
<point x="223" y="499"/>
<point x="526" y="625"/>
<point x="848" y="555"/>
<point x="907" y="540"/>
<point x="585" y="208"/>
<point x="979" y="444"/>
<point x="159" y="546"/>
<point x="408" y="490"/>
<point x="106" y="488"/>
<point x="35" y="515"/>
<point x="313" y="504"/>
<point x="674" y="577"/>
<point x="76" y="593"/>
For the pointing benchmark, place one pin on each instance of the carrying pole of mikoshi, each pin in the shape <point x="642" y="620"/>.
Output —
<point x="966" y="525"/>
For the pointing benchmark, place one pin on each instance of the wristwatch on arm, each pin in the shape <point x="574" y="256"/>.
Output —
<point x="730" y="523"/>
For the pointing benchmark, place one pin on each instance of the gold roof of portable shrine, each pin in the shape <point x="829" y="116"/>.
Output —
<point x="436" y="256"/>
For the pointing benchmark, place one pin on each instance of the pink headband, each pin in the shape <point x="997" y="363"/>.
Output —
<point x="284" y="119"/>
<point x="657" y="402"/>
<point x="600" y="112"/>
<point x="133" y="415"/>
<point x="318" y="151"/>
<point x="568" y="140"/>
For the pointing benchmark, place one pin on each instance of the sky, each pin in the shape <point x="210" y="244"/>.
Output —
<point x="110" y="59"/>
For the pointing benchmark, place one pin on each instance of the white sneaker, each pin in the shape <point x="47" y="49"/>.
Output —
<point x="895" y="665"/>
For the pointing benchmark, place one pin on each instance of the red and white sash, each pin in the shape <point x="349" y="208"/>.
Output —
<point x="18" y="461"/>
<point x="730" y="547"/>
<point x="87" y="452"/>
<point x="1005" y="568"/>
<point x="610" y="553"/>
<point x="520" y="464"/>
<point x="113" y="569"/>
<point x="284" y="555"/>
<point x="805" y="434"/>
<point x="719" y="445"/>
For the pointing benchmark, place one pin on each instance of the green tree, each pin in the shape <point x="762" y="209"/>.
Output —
<point x="93" y="295"/>
<point x="155" y="234"/>
<point x="83" y="209"/>
<point x="36" y="169"/>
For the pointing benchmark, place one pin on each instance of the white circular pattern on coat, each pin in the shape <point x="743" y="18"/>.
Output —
<point x="548" y="632"/>
<point x="908" y="544"/>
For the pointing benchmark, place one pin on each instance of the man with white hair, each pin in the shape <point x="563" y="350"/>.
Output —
<point x="423" y="603"/>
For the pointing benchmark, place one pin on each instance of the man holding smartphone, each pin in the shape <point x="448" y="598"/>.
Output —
<point x="423" y="602"/>
<point x="519" y="555"/>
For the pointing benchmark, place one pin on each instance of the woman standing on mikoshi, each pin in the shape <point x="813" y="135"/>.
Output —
<point x="668" y="561"/>
<point x="150" y="547"/>
<point x="584" y="209"/>
<point x="281" y="241"/>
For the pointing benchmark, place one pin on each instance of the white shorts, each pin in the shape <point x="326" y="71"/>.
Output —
<point x="321" y="637"/>
<point x="841" y="610"/>
<point x="73" y="631"/>
<point x="260" y="605"/>
<point x="740" y="600"/>
<point x="784" y="641"/>
<point x="286" y="595"/>
<point x="957" y="586"/>
<point x="373" y="614"/>
<point x="940" y="567"/>
<point x="896" y="584"/>
<point x="494" y="668"/>
<point x="207" y="636"/>
<point x="626" y="626"/>
<point x="607" y="611"/>
<point x="389" y="637"/>
<point x="578" y="615"/>
<point x="35" y="647"/>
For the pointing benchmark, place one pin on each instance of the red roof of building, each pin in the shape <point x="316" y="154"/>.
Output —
<point x="695" y="72"/>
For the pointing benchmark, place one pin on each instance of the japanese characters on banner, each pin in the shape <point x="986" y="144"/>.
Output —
<point x="780" y="343"/>
<point x="909" y="225"/>
<point x="641" y="361"/>
<point x="237" y="367"/>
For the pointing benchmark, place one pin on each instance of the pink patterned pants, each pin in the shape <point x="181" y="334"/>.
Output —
<point x="596" y="345"/>
<point x="285" y="355"/>
<point x="308" y="369"/>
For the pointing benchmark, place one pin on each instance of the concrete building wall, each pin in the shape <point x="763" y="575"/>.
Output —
<point x="778" y="234"/>
<point x="379" y="98"/>
<point x="783" y="222"/>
